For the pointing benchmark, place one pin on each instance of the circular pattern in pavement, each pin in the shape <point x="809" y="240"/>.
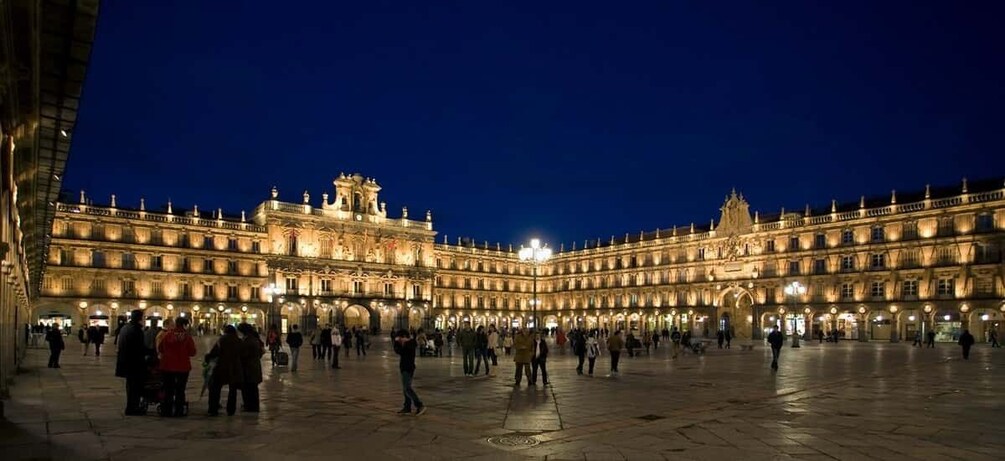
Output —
<point x="514" y="441"/>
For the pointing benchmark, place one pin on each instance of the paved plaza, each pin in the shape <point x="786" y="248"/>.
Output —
<point x="828" y="401"/>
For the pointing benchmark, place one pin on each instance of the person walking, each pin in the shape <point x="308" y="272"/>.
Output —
<point x="295" y="339"/>
<point x="272" y="340"/>
<point x="316" y="344"/>
<point x="592" y="350"/>
<point x="325" y="350"/>
<point x="931" y="339"/>
<point x="405" y="346"/>
<point x="131" y="362"/>
<point x="993" y="337"/>
<point x="579" y="348"/>
<point x="466" y="338"/>
<point x="227" y="372"/>
<point x="82" y="336"/>
<point x="917" y="339"/>
<point x="720" y="338"/>
<point x="252" y="351"/>
<point x="523" y="352"/>
<point x="508" y="343"/>
<point x="729" y="338"/>
<point x="481" y="350"/>
<point x="675" y="341"/>
<point x="540" y="360"/>
<point x="96" y="336"/>
<point x="493" y="344"/>
<point x="775" y="339"/>
<point x="966" y="341"/>
<point x="176" y="350"/>
<point x="614" y="346"/>
<point x="56" y="345"/>
<point x="361" y="342"/>
<point x="336" y="340"/>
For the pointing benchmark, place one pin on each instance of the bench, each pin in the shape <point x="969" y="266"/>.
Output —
<point x="746" y="347"/>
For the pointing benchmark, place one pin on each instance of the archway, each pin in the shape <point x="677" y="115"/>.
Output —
<point x="415" y="318"/>
<point x="947" y="325"/>
<point x="356" y="316"/>
<point x="735" y="307"/>
<point x="984" y="321"/>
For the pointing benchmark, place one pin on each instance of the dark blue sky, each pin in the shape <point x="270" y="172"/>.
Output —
<point x="571" y="120"/>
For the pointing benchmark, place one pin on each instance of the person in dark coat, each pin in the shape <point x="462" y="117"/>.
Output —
<point x="131" y="362"/>
<point x="405" y="346"/>
<point x="776" y="340"/>
<point x="56" y="346"/>
<point x="228" y="371"/>
<point x="97" y="337"/>
<point x="252" y="350"/>
<point x="295" y="339"/>
<point x="539" y="360"/>
<point x="720" y="338"/>
<point x="579" y="348"/>
<point x="966" y="341"/>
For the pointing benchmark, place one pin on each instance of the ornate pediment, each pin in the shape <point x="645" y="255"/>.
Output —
<point x="735" y="218"/>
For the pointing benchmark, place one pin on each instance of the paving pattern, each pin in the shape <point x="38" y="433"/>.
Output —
<point x="851" y="401"/>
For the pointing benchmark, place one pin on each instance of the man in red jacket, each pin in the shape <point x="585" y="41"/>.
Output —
<point x="176" y="350"/>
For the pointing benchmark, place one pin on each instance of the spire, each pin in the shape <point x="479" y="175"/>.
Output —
<point x="626" y="237"/>
<point x="195" y="211"/>
<point x="834" y="206"/>
<point x="711" y="225"/>
<point x="169" y="207"/>
<point x="674" y="234"/>
<point x="113" y="200"/>
<point x="964" y="185"/>
<point x="219" y="213"/>
<point x="458" y="240"/>
<point x="612" y="240"/>
<point x="782" y="217"/>
<point x="928" y="191"/>
<point x="143" y="205"/>
<point x="242" y="216"/>
<point x="444" y="239"/>
<point x="657" y="232"/>
<point x="497" y="246"/>
<point x="511" y="248"/>
<point x="573" y="246"/>
<point x="757" y="217"/>
<point x="893" y="197"/>
<point x="692" y="227"/>
<point x="486" y="244"/>
<point x="807" y="213"/>
<point x="82" y="197"/>
<point x="861" y="202"/>
<point x="561" y="247"/>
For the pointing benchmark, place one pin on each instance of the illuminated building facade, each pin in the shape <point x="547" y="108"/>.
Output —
<point x="874" y="269"/>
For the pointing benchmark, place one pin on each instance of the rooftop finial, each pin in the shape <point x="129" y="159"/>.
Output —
<point x="82" y="197"/>
<point x="169" y="207"/>
<point x="964" y="185"/>
<point x="757" y="217"/>
<point x="404" y="212"/>
<point x="861" y="202"/>
<point x="243" y="219"/>
<point x="219" y="213"/>
<point x="497" y="246"/>
<point x="429" y="216"/>
<point x="307" y="197"/>
<point x="711" y="225"/>
<point x="612" y="240"/>
<point x="834" y="206"/>
<point x="511" y="248"/>
<point x="626" y="237"/>
<point x="657" y="232"/>
<point x="143" y="205"/>
<point x="113" y="200"/>
<point x="674" y="233"/>
<point x="195" y="211"/>
<point x="807" y="212"/>
<point x="928" y="191"/>
<point x="275" y="192"/>
<point x="561" y="247"/>
<point x="692" y="228"/>
<point x="893" y="197"/>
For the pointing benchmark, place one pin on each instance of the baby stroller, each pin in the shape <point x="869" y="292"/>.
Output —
<point x="153" y="392"/>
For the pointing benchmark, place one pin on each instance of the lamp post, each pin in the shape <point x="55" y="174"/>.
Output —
<point x="273" y="291"/>
<point x="794" y="290"/>
<point x="535" y="255"/>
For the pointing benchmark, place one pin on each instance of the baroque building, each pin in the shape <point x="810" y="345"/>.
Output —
<point x="873" y="269"/>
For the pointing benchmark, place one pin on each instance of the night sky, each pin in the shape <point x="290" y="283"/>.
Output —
<point x="566" y="120"/>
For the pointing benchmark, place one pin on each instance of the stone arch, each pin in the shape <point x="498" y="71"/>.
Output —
<point x="734" y="305"/>
<point x="62" y="314"/>
<point x="356" y="315"/>
<point x="985" y="319"/>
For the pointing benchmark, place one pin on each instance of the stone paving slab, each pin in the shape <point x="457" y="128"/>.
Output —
<point x="832" y="401"/>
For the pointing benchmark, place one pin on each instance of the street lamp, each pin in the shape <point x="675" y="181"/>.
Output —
<point x="794" y="290"/>
<point x="535" y="255"/>
<point x="273" y="291"/>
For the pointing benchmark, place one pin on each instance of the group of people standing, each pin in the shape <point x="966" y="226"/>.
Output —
<point x="165" y="351"/>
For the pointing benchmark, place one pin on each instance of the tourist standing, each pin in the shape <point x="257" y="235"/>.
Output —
<point x="327" y="334"/>
<point x="729" y="338"/>
<point x="252" y="351"/>
<point x="966" y="341"/>
<point x="360" y="342"/>
<point x="316" y="344"/>
<point x="493" y="344"/>
<point x="523" y="352"/>
<point x="993" y="337"/>
<point x="917" y="339"/>
<point x="336" y="340"/>
<point x="592" y="350"/>
<point x="481" y="350"/>
<point x="931" y="338"/>
<point x="614" y="346"/>
<point x="675" y="341"/>
<point x="405" y="346"/>
<point x="466" y="338"/>
<point x="720" y="338"/>
<point x="775" y="339"/>
<point x="82" y="336"/>
<point x="295" y="339"/>
<point x="272" y="340"/>
<point x="97" y="337"/>
<point x="176" y="350"/>
<point x="131" y="361"/>
<point x="579" y="348"/>
<point x="540" y="360"/>
<point x="508" y="343"/>
<point x="56" y="345"/>
<point x="227" y="372"/>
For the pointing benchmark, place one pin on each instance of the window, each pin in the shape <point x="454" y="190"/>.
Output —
<point x="357" y="287"/>
<point x="946" y="226"/>
<point x="793" y="267"/>
<point x="946" y="255"/>
<point x="291" y="245"/>
<point x="64" y="257"/>
<point x="207" y="242"/>
<point x="633" y="300"/>
<point x="326" y="286"/>
<point x="128" y="261"/>
<point x="467" y="301"/>
<point x="207" y="291"/>
<point x="847" y="237"/>
<point x="291" y="284"/>
<point x="128" y="288"/>
<point x="847" y="291"/>
<point x="185" y="265"/>
<point x="793" y="243"/>
<point x="910" y="230"/>
<point x="67" y="284"/>
<point x="184" y="241"/>
<point x="231" y="267"/>
<point x="97" y="259"/>
<point x="985" y="222"/>
<point x="388" y="289"/>
<point x="878" y="234"/>
<point x="701" y="254"/>
<point x="207" y="265"/>
<point x="256" y="247"/>
<point x="945" y="287"/>
<point x="231" y="292"/>
<point x="157" y="262"/>
<point x="909" y="288"/>
<point x="770" y="246"/>
<point x="909" y="259"/>
<point x="820" y="241"/>
<point x="157" y="289"/>
<point x="186" y="291"/>
<point x="156" y="237"/>
<point x="878" y="290"/>
<point x="417" y="291"/>
<point x="877" y="261"/>
<point x="820" y="266"/>
<point x="847" y="263"/>
<point x="256" y="293"/>
<point x="327" y="249"/>
<point x="98" y="287"/>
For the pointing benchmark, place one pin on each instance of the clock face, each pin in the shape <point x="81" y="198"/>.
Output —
<point x="359" y="217"/>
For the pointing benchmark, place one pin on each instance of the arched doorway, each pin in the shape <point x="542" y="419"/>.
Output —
<point x="735" y="307"/>
<point x="356" y="316"/>
<point x="984" y="321"/>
